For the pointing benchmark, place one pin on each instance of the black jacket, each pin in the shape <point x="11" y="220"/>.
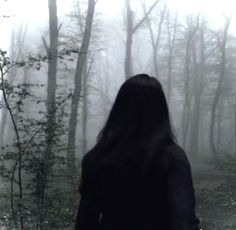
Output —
<point x="163" y="199"/>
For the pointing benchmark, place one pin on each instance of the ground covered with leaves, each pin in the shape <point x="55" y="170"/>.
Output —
<point x="215" y="188"/>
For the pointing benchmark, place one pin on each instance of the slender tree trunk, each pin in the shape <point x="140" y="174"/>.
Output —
<point x="17" y="44"/>
<point x="212" y="125"/>
<point x="185" y="117"/>
<point x="129" y="40"/>
<point x="52" y="53"/>
<point x="3" y="126"/>
<point x="85" y="110"/>
<point x="85" y="113"/>
<point x="130" y="30"/>
<point x="155" y="61"/>
<point x="77" y="90"/>
<point x="171" y="46"/>
<point x="195" y="122"/>
<point x="222" y="46"/>
<point x="186" y="108"/>
<point x="155" y="41"/>
<point x="219" y="127"/>
<point x="18" y="162"/>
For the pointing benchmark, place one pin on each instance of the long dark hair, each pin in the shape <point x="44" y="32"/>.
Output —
<point x="138" y="124"/>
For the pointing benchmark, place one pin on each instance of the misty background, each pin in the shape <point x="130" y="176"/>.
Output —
<point x="61" y="65"/>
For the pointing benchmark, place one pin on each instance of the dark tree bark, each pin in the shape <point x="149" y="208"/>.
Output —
<point x="77" y="89"/>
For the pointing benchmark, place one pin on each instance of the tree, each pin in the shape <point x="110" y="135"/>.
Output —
<point x="87" y="73"/>
<point x="16" y="55"/>
<point x="130" y="30"/>
<point x="52" y="54"/>
<point x="186" y="109"/>
<point x="222" y="42"/>
<point x="199" y="75"/>
<point x="77" y="88"/>
<point x="155" y="39"/>
<point x="171" y="34"/>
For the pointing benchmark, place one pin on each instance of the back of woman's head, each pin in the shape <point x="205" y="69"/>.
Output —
<point x="139" y="120"/>
<point x="139" y="111"/>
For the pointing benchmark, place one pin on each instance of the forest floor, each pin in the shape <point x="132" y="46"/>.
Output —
<point x="215" y="189"/>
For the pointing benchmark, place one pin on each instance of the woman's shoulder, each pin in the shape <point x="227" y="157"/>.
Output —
<point x="175" y="154"/>
<point x="175" y="150"/>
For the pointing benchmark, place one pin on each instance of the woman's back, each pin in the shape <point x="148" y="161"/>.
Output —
<point x="136" y="177"/>
<point x="163" y="198"/>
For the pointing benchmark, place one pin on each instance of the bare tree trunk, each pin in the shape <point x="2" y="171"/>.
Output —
<point x="194" y="114"/>
<point x="103" y="80"/>
<point x="129" y="40"/>
<point x="222" y="46"/>
<point x="77" y="90"/>
<point x="186" y="108"/>
<point x="171" y="47"/>
<point x="4" y="115"/>
<point x="85" y="114"/>
<point x="52" y="53"/>
<point x="130" y="30"/>
<point x="85" y="110"/>
<point x="195" y="122"/>
<point x="185" y="117"/>
<point x="219" y="127"/>
<point x="87" y="71"/>
<point x="155" y="41"/>
<point x="17" y="44"/>
<point x="18" y="162"/>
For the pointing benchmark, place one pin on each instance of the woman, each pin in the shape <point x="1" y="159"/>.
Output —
<point x="136" y="177"/>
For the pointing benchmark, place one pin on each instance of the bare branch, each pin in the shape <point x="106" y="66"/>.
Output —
<point x="163" y="12"/>
<point x="45" y="44"/>
<point x="59" y="28"/>
<point x="139" y="24"/>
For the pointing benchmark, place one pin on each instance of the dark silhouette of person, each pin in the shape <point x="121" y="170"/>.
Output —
<point x="137" y="177"/>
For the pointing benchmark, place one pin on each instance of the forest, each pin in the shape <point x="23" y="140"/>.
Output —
<point x="58" y="81"/>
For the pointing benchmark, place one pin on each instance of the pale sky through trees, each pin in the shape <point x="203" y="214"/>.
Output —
<point x="35" y="12"/>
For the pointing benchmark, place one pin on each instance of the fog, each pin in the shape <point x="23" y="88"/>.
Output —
<point x="62" y="63"/>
